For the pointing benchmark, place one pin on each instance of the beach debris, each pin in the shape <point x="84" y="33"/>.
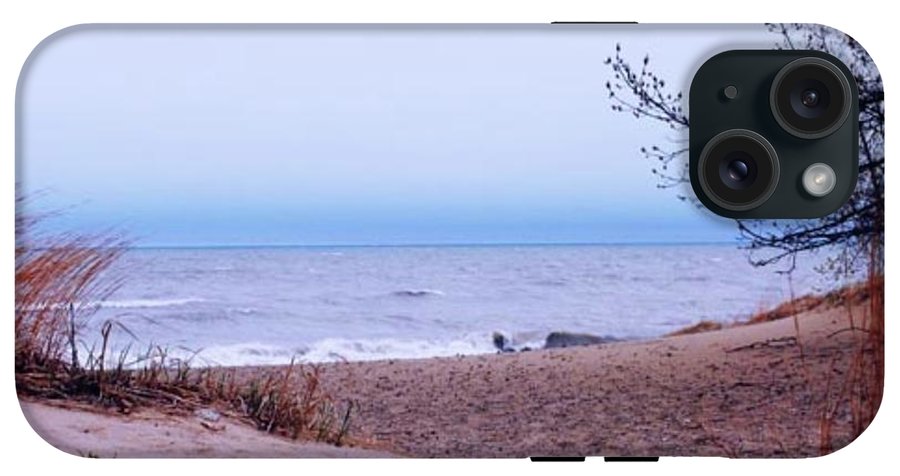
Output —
<point x="208" y="415"/>
<point x="209" y="419"/>
<point x="213" y="426"/>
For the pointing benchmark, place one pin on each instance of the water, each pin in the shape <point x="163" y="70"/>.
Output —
<point x="241" y="306"/>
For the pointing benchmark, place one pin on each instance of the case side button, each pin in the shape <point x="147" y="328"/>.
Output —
<point x="541" y="459"/>
<point x="593" y="23"/>
<point x="610" y="459"/>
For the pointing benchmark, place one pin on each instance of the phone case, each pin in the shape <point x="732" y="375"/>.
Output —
<point x="424" y="241"/>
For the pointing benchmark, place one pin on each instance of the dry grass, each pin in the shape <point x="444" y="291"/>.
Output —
<point x="58" y="280"/>
<point x="847" y="296"/>
<point x="856" y="398"/>
<point x="854" y="294"/>
<point x="287" y="401"/>
<point x="702" y="326"/>
<point x="861" y="391"/>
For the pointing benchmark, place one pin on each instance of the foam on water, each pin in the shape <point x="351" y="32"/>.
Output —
<point x="340" y="350"/>
<point x="146" y="303"/>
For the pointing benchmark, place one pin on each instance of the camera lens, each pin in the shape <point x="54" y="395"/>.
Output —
<point x="810" y="98"/>
<point x="738" y="169"/>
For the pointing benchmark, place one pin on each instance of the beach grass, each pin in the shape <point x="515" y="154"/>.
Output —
<point x="847" y="296"/>
<point x="57" y="279"/>
<point x="860" y="391"/>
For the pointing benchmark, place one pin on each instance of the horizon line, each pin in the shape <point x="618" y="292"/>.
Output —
<point x="428" y="244"/>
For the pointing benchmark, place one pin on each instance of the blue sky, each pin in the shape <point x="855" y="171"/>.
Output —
<point x="365" y="136"/>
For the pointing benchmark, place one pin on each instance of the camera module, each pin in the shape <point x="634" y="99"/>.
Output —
<point x="773" y="134"/>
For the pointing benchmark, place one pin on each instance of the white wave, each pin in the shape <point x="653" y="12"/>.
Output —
<point x="116" y="304"/>
<point x="145" y="303"/>
<point x="248" y="353"/>
<point x="246" y="311"/>
<point x="521" y="340"/>
<point x="419" y="292"/>
<point x="340" y="349"/>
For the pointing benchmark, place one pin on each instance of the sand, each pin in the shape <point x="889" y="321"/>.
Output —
<point x="147" y="433"/>
<point x="755" y="390"/>
<point x="740" y="391"/>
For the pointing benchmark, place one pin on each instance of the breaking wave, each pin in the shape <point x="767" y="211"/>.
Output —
<point x="418" y="292"/>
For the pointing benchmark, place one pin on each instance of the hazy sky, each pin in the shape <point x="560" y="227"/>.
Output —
<point x="343" y="136"/>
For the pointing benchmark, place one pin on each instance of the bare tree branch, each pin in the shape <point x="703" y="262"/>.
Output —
<point x="849" y="231"/>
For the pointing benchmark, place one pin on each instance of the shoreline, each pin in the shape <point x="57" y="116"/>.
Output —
<point x="756" y="388"/>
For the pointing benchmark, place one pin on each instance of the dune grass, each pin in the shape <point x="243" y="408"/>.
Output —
<point x="847" y="296"/>
<point x="861" y="390"/>
<point x="59" y="280"/>
<point x="857" y="396"/>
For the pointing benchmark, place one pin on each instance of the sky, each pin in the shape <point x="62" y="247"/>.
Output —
<point x="367" y="135"/>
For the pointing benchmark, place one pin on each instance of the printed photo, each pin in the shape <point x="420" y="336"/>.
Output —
<point x="424" y="241"/>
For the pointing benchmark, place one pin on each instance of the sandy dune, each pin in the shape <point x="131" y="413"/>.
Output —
<point x="149" y="434"/>
<point x="740" y="391"/>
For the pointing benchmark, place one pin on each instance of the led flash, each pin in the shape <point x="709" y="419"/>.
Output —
<point x="819" y="180"/>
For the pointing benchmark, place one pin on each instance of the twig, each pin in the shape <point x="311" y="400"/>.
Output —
<point x="72" y="337"/>
<point x="777" y="342"/>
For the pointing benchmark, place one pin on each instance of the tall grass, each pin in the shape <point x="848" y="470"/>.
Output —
<point x="59" y="280"/>
<point x="861" y="391"/>
<point x="853" y="399"/>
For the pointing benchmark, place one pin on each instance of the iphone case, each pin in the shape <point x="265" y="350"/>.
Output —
<point x="424" y="241"/>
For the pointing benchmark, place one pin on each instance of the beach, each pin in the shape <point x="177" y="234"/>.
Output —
<point x="748" y="390"/>
<point x="740" y="391"/>
<point x="150" y="433"/>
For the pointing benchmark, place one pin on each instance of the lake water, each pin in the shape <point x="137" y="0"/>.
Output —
<point x="241" y="306"/>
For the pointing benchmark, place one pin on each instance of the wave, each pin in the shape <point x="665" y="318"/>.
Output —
<point x="341" y="349"/>
<point x="145" y="303"/>
<point x="243" y="311"/>
<point x="247" y="353"/>
<point x="117" y="304"/>
<point x="358" y="350"/>
<point x="550" y="282"/>
<point x="418" y="292"/>
<point x="337" y="349"/>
